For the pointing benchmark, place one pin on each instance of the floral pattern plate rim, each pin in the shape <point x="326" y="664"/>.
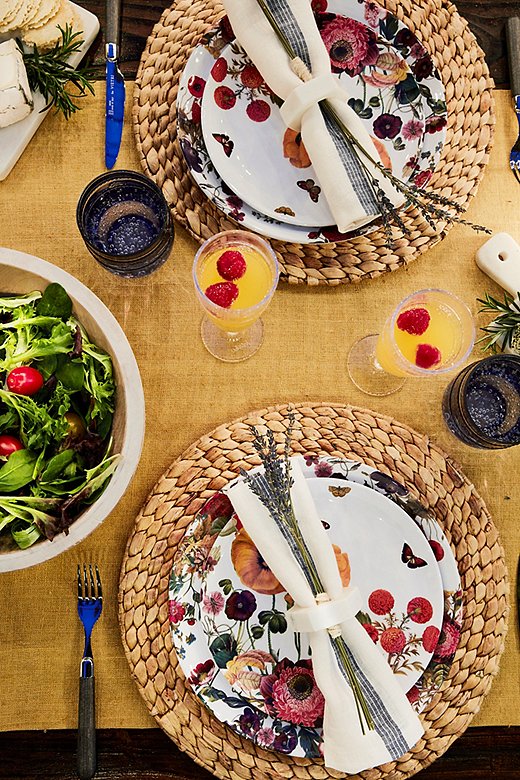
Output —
<point x="265" y="164"/>
<point x="252" y="673"/>
<point x="201" y="168"/>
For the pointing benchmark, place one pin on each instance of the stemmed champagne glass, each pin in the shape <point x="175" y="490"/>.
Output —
<point x="235" y="274"/>
<point x="429" y="332"/>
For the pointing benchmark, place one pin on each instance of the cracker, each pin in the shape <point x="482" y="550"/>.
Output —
<point x="11" y="12"/>
<point x="47" y="35"/>
<point x="43" y="12"/>
<point x="7" y="10"/>
<point x="27" y="8"/>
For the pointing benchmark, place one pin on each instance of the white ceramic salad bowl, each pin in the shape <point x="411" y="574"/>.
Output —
<point x="22" y="273"/>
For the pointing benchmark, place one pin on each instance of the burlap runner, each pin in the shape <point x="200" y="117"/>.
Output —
<point x="308" y="332"/>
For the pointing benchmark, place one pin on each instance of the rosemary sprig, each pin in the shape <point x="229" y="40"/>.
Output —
<point x="431" y="204"/>
<point x="50" y="73"/>
<point x="504" y="330"/>
<point x="272" y="488"/>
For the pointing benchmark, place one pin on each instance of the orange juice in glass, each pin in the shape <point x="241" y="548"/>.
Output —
<point x="235" y="275"/>
<point x="430" y="332"/>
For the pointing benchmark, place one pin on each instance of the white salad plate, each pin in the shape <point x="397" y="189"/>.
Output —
<point x="231" y="647"/>
<point x="14" y="138"/>
<point x="392" y="69"/>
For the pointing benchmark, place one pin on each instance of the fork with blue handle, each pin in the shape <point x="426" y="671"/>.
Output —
<point x="513" y="50"/>
<point x="90" y="604"/>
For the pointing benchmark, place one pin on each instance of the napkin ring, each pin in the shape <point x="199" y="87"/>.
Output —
<point x="327" y="614"/>
<point x="307" y="94"/>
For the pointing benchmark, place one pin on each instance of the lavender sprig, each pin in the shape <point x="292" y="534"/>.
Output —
<point x="273" y="489"/>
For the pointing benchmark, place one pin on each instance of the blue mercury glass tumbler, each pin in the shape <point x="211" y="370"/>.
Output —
<point x="481" y="406"/>
<point x="126" y="223"/>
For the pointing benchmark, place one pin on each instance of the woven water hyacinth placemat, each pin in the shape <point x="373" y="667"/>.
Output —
<point x="209" y="464"/>
<point x="467" y="83"/>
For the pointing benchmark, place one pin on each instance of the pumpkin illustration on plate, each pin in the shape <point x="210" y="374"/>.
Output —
<point x="254" y="572"/>
<point x="294" y="149"/>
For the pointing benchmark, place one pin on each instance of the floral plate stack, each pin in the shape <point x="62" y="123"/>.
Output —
<point x="152" y="608"/>
<point x="256" y="170"/>
<point x="229" y="613"/>
<point x="324" y="258"/>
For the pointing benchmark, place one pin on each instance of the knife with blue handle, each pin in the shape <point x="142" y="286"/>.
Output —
<point x="115" y="83"/>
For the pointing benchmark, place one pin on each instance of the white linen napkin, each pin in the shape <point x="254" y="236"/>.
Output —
<point x="344" y="184"/>
<point x="397" y="727"/>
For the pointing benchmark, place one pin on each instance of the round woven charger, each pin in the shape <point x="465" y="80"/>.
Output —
<point x="467" y="83"/>
<point x="212" y="462"/>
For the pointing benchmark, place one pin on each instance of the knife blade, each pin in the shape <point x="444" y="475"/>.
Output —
<point x="513" y="54"/>
<point x="115" y="85"/>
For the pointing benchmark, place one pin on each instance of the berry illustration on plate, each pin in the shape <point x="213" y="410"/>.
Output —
<point x="258" y="111"/>
<point x="195" y="112"/>
<point x="196" y="86"/>
<point x="219" y="70"/>
<point x="437" y="550"/>
<point x="224" y="97"/>
<point x="251" y="77"/>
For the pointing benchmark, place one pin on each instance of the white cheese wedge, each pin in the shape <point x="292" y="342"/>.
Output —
<point x="15" y="94"/>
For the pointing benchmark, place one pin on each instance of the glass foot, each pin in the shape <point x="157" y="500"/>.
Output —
<point x="365" y="371"/>
<point x="232" y="347"/>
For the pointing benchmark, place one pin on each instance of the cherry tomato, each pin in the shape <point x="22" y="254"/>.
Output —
<point x="24" y="380"/>
<point x="9" y="444"/>
<point x="76" y="427"/>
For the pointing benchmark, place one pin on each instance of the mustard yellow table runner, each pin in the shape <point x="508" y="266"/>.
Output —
<point x="308" y="332"/>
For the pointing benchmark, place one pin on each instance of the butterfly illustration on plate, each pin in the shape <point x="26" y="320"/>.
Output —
<point x="285" y="210"/>
<point x="339" y="492"/>
<point x="310" y="186"/>
<point x="411" y="560"/>
<point x="226" y="143"/>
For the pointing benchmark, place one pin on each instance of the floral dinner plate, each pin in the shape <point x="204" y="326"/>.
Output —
<point x="202" y="170"/>
<point x="233" y="643"/>
<point x="370" y="49"/>
<point x="264" y="162"/>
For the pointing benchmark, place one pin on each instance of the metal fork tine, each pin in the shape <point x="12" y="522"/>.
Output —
<point x="92" y="591"/>
<point x="80" y="587"/>
<point x="98" y="582"/>
<point x="86" y="591"/>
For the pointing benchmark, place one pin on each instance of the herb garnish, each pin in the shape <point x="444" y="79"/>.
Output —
<point x="50" y="73"/>
<point x="504" y="330"/>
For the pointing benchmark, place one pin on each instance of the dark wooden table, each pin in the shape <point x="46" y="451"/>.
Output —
<point x="139" y="754"/>
<point x="486" y="19"/>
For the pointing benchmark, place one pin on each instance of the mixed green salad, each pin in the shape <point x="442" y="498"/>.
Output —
<point x="57" y="398"/>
